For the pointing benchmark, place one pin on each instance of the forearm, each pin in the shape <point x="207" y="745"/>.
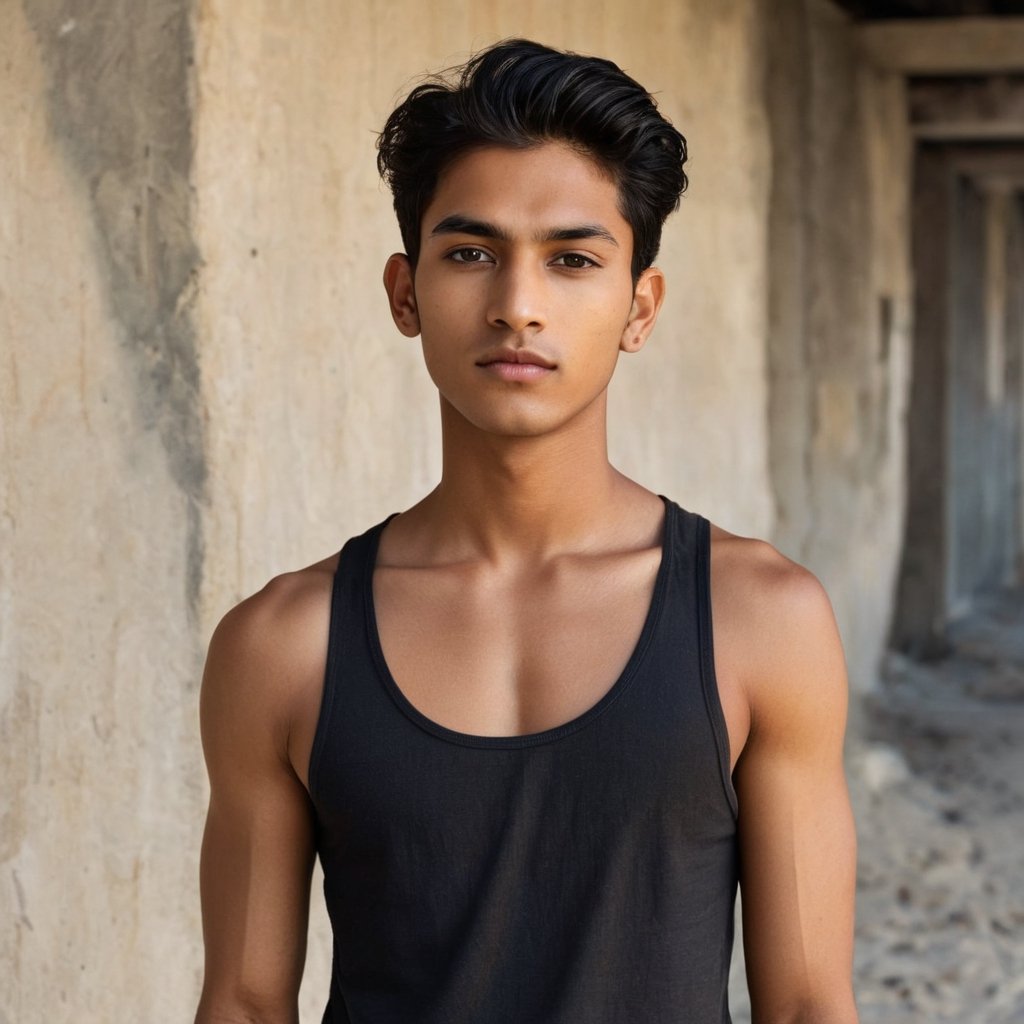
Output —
<point x="240" y="1010"/>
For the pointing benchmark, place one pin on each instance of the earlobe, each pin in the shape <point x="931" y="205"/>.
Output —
<point x="632" y="334"/>
<point x="398" y="283"/>
<point x="647" y="299"/>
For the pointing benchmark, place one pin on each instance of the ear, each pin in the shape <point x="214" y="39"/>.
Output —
<point x="647" y="299"/>
<point x="398" y="283"/>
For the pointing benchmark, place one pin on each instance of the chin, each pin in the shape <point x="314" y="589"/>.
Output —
<point x="515" y="423"/>
<point x="507" y="418"/>
<point x="517" y="429"/>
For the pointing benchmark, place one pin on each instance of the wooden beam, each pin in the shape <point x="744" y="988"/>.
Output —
<point x="969" y="131"/>
<point x="998" y="168"/>
<point x="969" y="98"/>
<point x="974" y="107"/>
<point x="946" y="46"/>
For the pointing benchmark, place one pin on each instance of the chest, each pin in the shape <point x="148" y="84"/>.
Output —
<point x="510" y="654"/>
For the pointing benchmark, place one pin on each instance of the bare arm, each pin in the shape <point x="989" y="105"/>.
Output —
<point x="258" y="850"/>
<point x="797" y="839"/>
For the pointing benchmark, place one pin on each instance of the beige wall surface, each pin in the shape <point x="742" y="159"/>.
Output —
<point x="102" y="791"/>
<point x="839" y="317"/>
<point x="200" y="387"/>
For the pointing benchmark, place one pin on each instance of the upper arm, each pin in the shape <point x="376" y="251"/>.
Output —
<point x="797" y="839"/>
<point x="258" y="848"/>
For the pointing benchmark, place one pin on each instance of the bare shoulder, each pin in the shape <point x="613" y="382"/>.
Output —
<point x="778" y="631"/>
<point x="768" y="589"/>
<point x="265" y="657"/>
<point x="276" y="620"/>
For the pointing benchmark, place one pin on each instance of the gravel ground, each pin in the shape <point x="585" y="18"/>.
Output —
<point x="936" y="769"/>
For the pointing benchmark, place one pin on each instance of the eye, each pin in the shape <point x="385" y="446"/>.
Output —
<point x="469" y="255"/>
<point x="575" y="261"/>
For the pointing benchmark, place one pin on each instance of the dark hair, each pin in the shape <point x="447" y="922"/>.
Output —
<point x="519" y="94"/>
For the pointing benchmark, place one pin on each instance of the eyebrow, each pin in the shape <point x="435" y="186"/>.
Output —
<point x="457" y="224"/>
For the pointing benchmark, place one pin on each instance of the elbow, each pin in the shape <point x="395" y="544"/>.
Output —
<point x="835" y="1008"/>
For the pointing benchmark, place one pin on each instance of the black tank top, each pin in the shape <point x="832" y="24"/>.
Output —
<point x="581" y="875"/>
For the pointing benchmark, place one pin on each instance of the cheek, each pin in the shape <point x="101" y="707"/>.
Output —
<point x="604" y="320"/>
<point x="604" y="300"/>
<point x="446" y="314"/>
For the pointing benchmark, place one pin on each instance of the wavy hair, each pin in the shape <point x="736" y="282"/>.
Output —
<point x="520" y="94"/>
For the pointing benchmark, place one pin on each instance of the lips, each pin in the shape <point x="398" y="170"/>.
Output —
<point x="516" y="356"/>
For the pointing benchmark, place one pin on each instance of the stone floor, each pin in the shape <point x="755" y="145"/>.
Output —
<point x="936" y="767"/>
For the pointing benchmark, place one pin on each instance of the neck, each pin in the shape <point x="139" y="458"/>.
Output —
<point x="514" y="497"/>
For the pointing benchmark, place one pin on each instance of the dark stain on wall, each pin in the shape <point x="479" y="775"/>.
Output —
<point x="120" y="105"/>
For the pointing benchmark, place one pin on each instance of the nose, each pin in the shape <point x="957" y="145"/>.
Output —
<point x="517" y="299"/>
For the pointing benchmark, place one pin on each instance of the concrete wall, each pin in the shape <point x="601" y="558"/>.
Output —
<point x="100" y="547"/>
<point x="839" y="325"/>
<point x="200" y="386"/>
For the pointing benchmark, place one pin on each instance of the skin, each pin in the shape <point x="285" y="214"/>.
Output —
<point x="533" y="555"/>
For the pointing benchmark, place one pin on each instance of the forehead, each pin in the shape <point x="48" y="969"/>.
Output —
<point x="550" y="184"/>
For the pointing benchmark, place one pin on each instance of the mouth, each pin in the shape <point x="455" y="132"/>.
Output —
<point x="516" y="364"/>
<point x="516" y="357"/>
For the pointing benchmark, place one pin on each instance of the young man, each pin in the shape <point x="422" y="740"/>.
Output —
<point x="531" y="771"/>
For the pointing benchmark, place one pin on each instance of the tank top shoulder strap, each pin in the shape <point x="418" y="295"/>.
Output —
<point x="691" y="540"/>
<point x="347" y="615"/>
<point x="700" y="529"/>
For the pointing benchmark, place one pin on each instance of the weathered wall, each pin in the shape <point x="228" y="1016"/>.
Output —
<point x="100" y="543"/>
<point x="200" y="387"/>
<point x="839" y="316"/>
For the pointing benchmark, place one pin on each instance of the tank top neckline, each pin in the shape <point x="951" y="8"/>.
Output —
<point x="556" y="732"/>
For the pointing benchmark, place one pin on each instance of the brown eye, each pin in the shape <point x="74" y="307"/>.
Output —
<point x="468" y="256"/>
<point x="576" y="261"/>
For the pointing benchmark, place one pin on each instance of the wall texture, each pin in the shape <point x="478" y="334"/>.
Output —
<point x="102" y="485"/>
<point x="838" y="339"/>
<point x="200" y="386"/>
